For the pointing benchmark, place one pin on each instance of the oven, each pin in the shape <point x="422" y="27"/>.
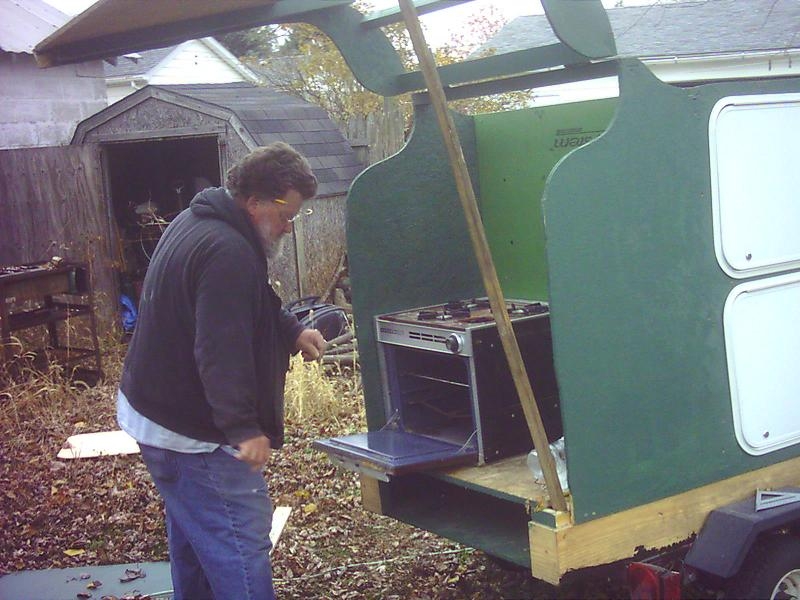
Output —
<point x="448" y="391"/>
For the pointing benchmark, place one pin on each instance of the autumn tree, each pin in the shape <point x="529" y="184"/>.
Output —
<point x="301" y="60"/>
<point x="253" y="44"/>
<point x="467" y="43"/>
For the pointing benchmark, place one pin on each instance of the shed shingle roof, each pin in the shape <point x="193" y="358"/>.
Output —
<point x="269" y="116"/>
<point x="685" y="28"/>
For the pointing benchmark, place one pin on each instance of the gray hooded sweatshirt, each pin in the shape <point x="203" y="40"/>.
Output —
<point x="209" y="355"/>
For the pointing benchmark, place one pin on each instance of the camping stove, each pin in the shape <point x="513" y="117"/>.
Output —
<point x="450" y="327"/>
<point x="445" y="375"/>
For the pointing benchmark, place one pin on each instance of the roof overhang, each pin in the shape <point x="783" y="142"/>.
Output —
<point x="115" y="27"/>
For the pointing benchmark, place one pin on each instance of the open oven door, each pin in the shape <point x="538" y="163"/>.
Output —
<point x="389" y="452"/>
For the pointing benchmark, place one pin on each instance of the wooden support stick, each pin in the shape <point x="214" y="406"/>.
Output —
<point x="466" y="194"/>
<point x="342" y="339"/>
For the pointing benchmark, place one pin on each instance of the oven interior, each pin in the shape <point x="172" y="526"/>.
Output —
<point x="429" y="393"/>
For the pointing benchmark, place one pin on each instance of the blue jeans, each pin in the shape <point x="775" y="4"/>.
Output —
<point x="218" y="516"/>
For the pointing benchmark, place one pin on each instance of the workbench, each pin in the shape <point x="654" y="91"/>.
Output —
<point x="47" y="295"/>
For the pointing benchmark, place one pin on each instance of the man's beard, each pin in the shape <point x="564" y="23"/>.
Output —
<point x="272" y="246"/>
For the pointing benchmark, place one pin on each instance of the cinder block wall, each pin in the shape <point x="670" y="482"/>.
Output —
<point x="41" y="107"/>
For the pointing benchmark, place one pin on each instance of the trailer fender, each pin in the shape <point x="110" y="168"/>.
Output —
<point x="730" y="531"/>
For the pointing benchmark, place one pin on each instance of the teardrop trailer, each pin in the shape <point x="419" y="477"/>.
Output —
<point x="659" y="265"/>
<point x="666" y="251"/>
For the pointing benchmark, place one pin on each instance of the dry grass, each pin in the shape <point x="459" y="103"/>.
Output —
<point x="319" y="393"/>
<point x="41" y="404"/>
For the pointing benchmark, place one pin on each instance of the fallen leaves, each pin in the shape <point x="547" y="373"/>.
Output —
<point x="105" y="510"/>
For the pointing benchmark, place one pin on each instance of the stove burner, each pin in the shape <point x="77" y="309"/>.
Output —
<point x="478" y="303"/>
<point x="458" y="313"/>
<point x="455" y="305"/>
<point x="535" y="308"/>
<point x="480" y="319"/>
<point x="435" y="315"/>
<point x="427" y="315"/>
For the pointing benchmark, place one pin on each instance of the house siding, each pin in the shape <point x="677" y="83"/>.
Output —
<point x="190" y="62"/>
<point x="119" y="90"/>
<point x="193" y="62"/>
<point x="41" y="107"/>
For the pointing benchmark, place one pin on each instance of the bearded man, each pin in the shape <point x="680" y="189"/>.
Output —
<point x="202" y="384"/>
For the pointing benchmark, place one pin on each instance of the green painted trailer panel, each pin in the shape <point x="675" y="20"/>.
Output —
<point x="636" y="293"/>
<point x="516" y="152"/>
<point x="637" y="299"/>
<point x="407" y="237"/>
<point x="582" y="25"/>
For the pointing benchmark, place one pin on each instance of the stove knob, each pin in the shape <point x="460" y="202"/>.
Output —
<point x="454" y="343"/>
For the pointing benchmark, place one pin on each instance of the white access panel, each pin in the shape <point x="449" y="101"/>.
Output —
<point x="762" y="342"/>
<point x="754" y="145"/>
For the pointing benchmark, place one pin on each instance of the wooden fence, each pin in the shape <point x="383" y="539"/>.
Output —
<point x="53" y="205"/>
<point x="378" y="135"/>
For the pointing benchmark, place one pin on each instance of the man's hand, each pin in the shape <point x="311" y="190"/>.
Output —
<point x="311" y="343"/>
<point x="255" y="451"/>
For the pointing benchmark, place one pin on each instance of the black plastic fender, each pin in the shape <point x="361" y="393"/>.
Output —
<point x="730" y="531"/>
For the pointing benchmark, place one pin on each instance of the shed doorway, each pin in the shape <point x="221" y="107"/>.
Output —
<point x="150" y="182"/>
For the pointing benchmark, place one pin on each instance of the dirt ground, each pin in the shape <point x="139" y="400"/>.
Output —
<point x="66" y="513"/>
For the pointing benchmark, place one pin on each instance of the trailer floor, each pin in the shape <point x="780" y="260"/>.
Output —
<point x="509" y="478"/>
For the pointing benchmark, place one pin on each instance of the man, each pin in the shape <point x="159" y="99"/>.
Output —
<point x="202" y="384"/>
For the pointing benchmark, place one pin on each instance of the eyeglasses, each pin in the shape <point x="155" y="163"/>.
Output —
<point x="301" y="213"/>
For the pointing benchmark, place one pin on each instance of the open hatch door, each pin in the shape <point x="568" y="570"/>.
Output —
<point x="388" y="452"/>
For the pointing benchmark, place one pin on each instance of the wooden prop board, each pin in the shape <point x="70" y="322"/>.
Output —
<point x="483" y="254"/>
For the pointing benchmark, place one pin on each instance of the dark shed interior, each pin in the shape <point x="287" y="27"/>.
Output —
<point x="162" y="144"/>
<point x="150" y="182"/>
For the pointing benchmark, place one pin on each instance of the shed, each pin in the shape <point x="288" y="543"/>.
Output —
<point x="161" y="144"/>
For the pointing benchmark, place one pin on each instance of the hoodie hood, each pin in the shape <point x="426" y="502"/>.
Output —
<point x="217" y="203"/>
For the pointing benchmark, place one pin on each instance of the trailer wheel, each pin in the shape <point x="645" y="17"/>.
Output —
<point x="771" y="570"/>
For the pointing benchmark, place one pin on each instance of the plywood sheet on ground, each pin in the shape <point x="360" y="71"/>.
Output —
<point x="101" y="443"/>
<point x="66" y="584"/>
